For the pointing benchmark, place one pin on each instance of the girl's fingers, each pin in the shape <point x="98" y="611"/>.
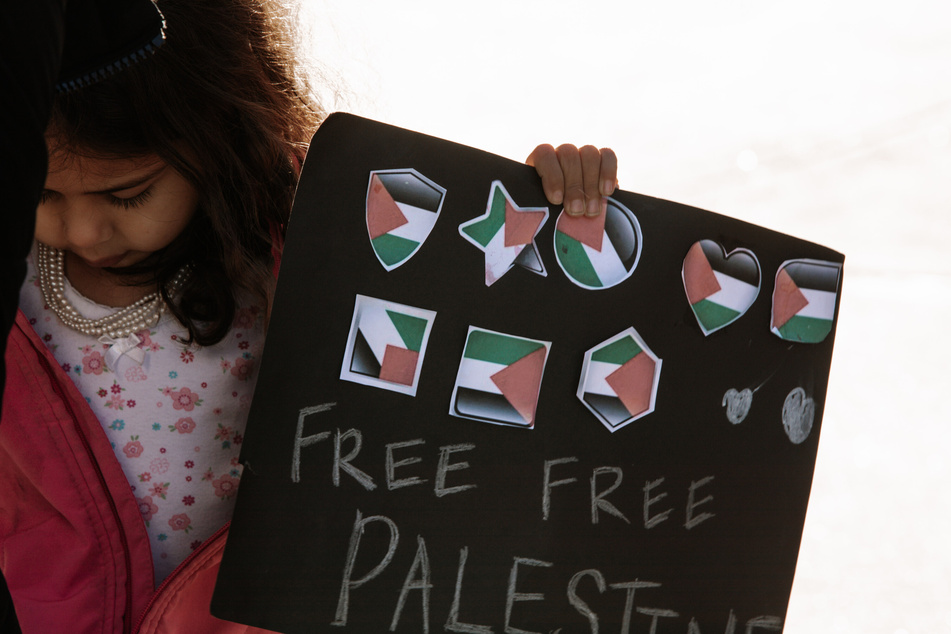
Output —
<point x="545" y="162"/>
<point x="578" y="179"/>
<point x="570" y="159"/>
<point x="590" y="174"/>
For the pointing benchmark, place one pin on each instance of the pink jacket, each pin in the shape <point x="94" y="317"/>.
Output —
<point x="73" y="545"/>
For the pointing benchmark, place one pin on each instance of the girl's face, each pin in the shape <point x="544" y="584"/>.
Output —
<point x="112" y="212"/>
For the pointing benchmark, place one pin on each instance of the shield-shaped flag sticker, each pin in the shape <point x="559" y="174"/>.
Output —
<point x="804" y="300"/>
<point x="619" y="380"/>
<point x="402" y="208"/>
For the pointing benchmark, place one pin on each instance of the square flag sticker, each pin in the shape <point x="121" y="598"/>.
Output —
<point x="386" y="345"/>
<point x="499" y="378"/>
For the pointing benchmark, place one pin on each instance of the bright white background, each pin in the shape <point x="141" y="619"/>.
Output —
<point x="829" y="120"/>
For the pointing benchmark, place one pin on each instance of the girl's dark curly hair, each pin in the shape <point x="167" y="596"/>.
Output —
<point x="223" y="102"/>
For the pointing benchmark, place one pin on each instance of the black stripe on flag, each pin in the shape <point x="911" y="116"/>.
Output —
<point x="363" y="361"/>
<point x="609" y="407"/>
<point x="486" y="406"/>
<point x="619" y="229"/>
<point x="741" y="267"/>
<point x="820" y="276"/>
<point x="406" y="187"/>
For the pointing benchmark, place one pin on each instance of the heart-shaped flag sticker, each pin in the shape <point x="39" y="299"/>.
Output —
<point x="720" y="287"/>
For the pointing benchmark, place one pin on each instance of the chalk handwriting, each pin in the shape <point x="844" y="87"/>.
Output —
<point x="419" y="578"/>
<point x="512" y="596"/>
<point x="300" y="441"/>
<point x="423" y="583"/>
<point x="695" y="520"/>
<point x="652" y="515"/>
<point x="597" y="498"/>
<point x="650" y="521"/>
<point x="452" y="623"/>
<point x="391" y="465"/>
<point x="444" y="467"/>
<point x="348" y="583"/>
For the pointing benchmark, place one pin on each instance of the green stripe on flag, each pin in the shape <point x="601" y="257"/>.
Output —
<point x="496" y="348"/>
<point x="411" y="329"/>
<point x="483" y="232"/>
<point x="713" y="315"/>
<point x="393" y="249"/>
<point x="806" y="329"/>
<point x="618" y="352"/>
<point x="572" y="256"/>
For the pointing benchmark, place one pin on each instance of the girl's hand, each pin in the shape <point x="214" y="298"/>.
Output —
<point x="578" y="178"/>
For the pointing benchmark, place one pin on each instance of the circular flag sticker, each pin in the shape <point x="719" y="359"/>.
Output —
<point x="601" y="252"/>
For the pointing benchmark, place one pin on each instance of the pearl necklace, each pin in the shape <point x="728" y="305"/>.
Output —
<point x="142" y="314"/>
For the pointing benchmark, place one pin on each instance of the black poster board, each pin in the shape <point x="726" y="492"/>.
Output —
<point x="369" y="509"/>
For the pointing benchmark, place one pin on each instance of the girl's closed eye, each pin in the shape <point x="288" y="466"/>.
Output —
<point x="132" y="201"/>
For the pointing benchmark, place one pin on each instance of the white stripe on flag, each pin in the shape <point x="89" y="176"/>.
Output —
<point x="419" y="224"/>
<point x="607" y="263"/>
<point x="821" y="304"/>
<point x="498" y="257"/>
<point x="596" y="379"/>
<point x="378" y="329"/>
<point x="476" y="375"/>
<point x="733" y="293"/>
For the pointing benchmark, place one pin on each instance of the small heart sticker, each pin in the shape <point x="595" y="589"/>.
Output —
<point x="799" y="412"/>
<point x="720" y="287"/>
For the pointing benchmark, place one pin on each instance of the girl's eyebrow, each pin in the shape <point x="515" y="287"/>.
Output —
<point x="135" y="182"/>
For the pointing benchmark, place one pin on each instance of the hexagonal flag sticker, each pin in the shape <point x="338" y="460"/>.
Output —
<point x="619" y="380"/>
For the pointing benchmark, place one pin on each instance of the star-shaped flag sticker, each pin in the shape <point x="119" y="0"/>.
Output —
<point x="506" y="234"/>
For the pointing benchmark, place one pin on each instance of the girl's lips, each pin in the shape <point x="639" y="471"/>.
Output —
<point x="105" y="262"/>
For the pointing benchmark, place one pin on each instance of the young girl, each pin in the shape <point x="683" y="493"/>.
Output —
<point x="132" y="362"/>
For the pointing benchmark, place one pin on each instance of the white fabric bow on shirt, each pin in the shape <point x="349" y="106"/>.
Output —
<point x="125" y="346"/>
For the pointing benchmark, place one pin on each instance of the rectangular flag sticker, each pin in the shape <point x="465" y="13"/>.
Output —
<point x="499" y="378"/>
<point x="386" y="345"/>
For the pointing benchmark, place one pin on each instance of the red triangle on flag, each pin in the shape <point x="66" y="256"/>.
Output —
<point x="787" y="299"/>
<point x="633" y="383"/>
<point x="520" y="383"/>
<point x="383" y="214"/>
<point x="699" y="280"/>
<point x="521" y="226"/>
<point x="399" y="365"/>
<point x="586" y="230"/>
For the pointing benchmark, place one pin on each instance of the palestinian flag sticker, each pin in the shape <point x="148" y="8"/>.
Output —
<point x="619" y="380"/>
<point x="804" y="300"/>
<point x="402" y="208"/>
<point x="597" y="253"/>
<point x="386" y="345"/>
<point x="499" y="378"/>
<point x="506" y="234"/>
<point x="720" y="286"/>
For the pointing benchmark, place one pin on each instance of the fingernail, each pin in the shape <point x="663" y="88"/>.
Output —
<point x="557" y="196"/>
<point x="576" y="207"/>
<point x="607" y="187"/>
<point x="594" y="207"/>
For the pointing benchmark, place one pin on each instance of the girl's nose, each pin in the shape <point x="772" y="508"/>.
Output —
<point x="85" y="223"/>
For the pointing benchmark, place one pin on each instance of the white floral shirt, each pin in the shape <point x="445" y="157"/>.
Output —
<point x="175" y="422"/>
